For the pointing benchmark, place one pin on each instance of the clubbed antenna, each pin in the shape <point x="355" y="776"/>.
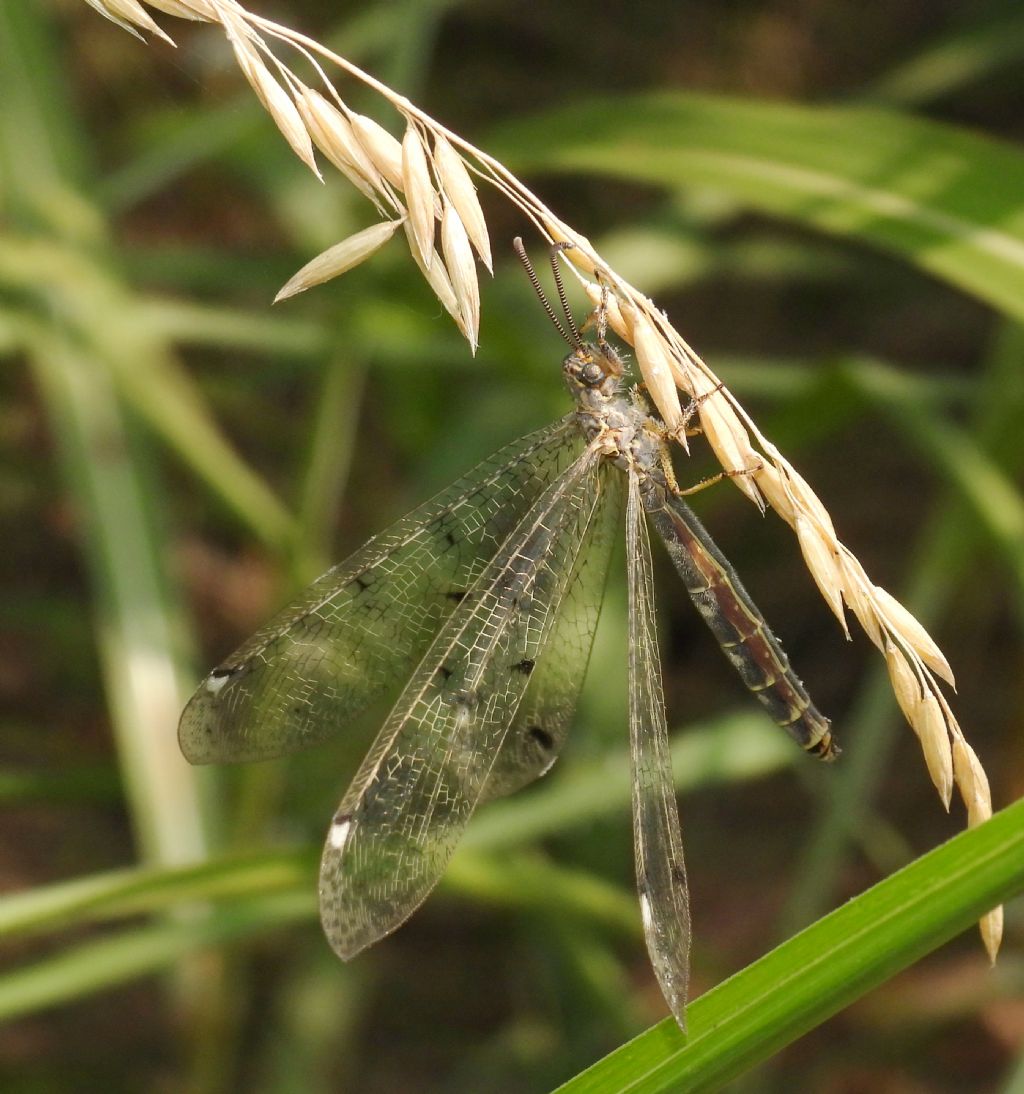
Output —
<point x="556" y="250"/>
<point x="531" y="273"/>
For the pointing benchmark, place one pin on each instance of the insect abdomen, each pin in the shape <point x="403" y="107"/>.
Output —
<point x="736" y="623"/>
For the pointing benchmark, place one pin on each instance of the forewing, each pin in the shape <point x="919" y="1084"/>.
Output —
<point x="358" y="627"/>
<point x="660" y="872"/>
<point x="541" y="725"/>
<point x="400" y="820"/>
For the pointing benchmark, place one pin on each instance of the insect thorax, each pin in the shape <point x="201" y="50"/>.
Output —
<point x="632" y="436"/>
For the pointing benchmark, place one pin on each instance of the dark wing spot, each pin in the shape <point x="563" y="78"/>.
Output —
<point x="449" y="539"/>
<point x="341" y="818"/>
<point x="458" y="595"/>
<point x="361" y="582"/>
<point x="542" y="737"/>
<point x="525" y="666"/>
<point x="445" y="672"/>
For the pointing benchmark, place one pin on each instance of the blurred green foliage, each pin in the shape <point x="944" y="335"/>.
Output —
<point x="828" y="200"/>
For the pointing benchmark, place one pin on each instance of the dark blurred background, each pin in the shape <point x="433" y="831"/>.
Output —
<point x="140" y="549"/>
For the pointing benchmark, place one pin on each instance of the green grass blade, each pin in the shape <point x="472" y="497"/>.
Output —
<point x="120" y="893"/>
<point x="952" y="61"/>
<point x="253" y="895"/>
<point x="136" y="623"/>
<point x="331" y="446"/>
<point x="993" y="498"/>
<point x="738" y="747"/>
<point x="824" y="968"/>
<point x="730" y="749"/>
<point x="97" y="965"/>
<point x="946" y="200"/>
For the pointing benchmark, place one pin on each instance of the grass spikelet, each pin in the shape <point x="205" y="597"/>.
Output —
<point x="458" y="257"/>
<point x="204" y="11"/>
<point x="129" y="15"/>
<point x="437" y="278"/>
<point x="382" y="148"/>
<point x="653" y="356"/>
<point x="820" y="558"/>
<point x="276" y="101"/>
<point x="460" y="191"/>
<point x="332" y="134"/>
<point x="911" y="631"/>
<point x="338" y="259"/>
<point x="419" y="193"/>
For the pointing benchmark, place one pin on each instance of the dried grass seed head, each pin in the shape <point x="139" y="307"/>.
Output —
<point x="930" y="727"/>
<point x="820" y="558"/>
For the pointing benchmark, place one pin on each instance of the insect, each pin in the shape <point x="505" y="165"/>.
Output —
<point x="490" y="594"/>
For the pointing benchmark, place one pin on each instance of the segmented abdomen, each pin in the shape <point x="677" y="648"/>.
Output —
<point x="736" y="623"/>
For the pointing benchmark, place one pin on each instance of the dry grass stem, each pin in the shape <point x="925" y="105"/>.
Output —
<point x="427" y="178"/>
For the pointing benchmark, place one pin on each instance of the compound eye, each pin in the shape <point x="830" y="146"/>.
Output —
<point x="592" y="374"/>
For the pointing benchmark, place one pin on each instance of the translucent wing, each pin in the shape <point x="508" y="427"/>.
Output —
<point x="542" y="722"/>
<point x="407" y="807"/>
<point x="359" y="626"/>
<point x="660" y="872"/>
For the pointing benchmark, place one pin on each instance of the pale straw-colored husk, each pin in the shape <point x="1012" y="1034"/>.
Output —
<point x="458" y="258"/>
<point x="382" y="148"/>
<point x="338" y="259"/>
<point x="460" y="191"/>
<point x="419" y="192"/>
